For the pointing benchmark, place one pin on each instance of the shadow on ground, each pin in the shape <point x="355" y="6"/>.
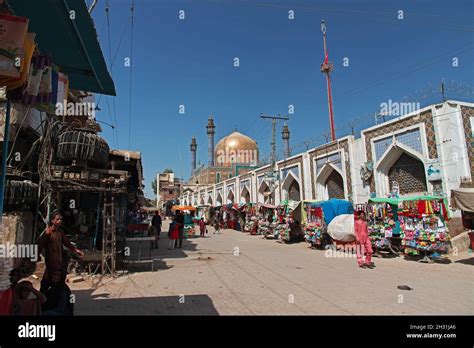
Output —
<point x="468" y="261"/>
<point x="88" y="304"/>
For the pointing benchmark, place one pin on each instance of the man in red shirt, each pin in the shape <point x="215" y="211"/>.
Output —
<point x="51" y="242"/>
<point x="364" y="245"/>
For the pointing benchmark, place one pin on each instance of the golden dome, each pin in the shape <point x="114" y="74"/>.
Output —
<point x="236" y="148"/>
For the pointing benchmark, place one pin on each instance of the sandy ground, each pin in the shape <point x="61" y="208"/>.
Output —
<point x="235" y="273"/>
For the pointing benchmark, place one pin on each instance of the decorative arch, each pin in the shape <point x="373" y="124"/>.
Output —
<point x="404" y="165"/>
<point x="330" y="183"/>
<point x="209" y="200"/>
<point x="245" y="195"/>
<point x="219" y="199"/>
<point x="264" y="194"/>
<point x="291" y="187"/>
<point x="230" y="196"/>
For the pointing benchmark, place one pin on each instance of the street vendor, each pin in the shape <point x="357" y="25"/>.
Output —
<point x="51" y="242"/>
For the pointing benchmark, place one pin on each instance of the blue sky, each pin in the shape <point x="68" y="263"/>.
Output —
<point x="190" y="62"/>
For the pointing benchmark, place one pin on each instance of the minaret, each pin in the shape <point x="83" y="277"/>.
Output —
<point x="286" y="140"/>
<point x="193" y="147"/>
<point x="210" y="141"/>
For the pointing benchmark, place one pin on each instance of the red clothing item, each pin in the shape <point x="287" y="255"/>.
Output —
<point x="6" y="301"/>
<point x="361" y="232"/>
<point x="174" y="232"/>
<point x="51" y="243"/>
<point x="202" y="225"/>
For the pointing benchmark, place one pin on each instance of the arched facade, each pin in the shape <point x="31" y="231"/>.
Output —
<point x="330" y="183"/>
<point x="291" y="188"/>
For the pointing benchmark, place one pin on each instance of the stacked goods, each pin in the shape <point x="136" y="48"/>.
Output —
<point x="265" y="228"/>
<point x="380" y="225"/>
<point x="249" y="224"/>
<point x="282" y="231"/>
<point x="313" y="227"/>
<point x="313" y="232"/>
<point x="423" y="227"/>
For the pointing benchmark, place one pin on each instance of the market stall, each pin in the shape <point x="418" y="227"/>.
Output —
<point x="249" y="211"/>
<point x="266" y="219"/>
<point x="285" y="220"/>
<point x="316" y="216"/>
<point x="313" y="222"/>
<point x="189" y="225"/>
<point x="383" y="224"/>
<point x="418" y="222"/>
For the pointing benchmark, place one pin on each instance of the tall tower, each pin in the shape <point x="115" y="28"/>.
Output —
<point x="326" y="68"/>
<point x="210" y="141"/>
<point x="285" y="134"/>
<point x="193" y="147"/>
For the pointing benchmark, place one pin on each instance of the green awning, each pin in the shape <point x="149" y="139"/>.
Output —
<point x="72" y="43"/>
<point x="394" y="201"/>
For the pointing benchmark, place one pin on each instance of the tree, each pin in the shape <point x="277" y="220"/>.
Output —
<point x="167" y="170"/>
<point x="153" y="186"/>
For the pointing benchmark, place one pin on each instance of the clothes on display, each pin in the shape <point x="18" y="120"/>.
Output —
<point x="313" y="225"/>
<point x="381" y="223"/>
<point x="423" y="227"/>
<point x="420" y="223"/>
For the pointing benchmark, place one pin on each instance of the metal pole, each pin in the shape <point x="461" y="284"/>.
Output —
<point x="273" y="142"/>
<point x="4" y="158"/>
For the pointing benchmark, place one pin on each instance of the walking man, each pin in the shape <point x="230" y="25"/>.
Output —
<point x="364" y="245"/>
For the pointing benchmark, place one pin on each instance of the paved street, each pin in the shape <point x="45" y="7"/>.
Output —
<point x="266" y="277"/>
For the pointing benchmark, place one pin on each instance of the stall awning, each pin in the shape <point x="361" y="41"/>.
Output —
<point x="463" y="198"/>
<point x="71" y="43"/>
<point x="182" y="208"/>
<point x="395" y="201"/>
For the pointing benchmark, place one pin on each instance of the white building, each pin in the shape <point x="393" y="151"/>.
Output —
<point x="427" y="151"/>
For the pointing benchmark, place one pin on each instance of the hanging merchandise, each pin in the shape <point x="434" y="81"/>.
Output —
<point x="267" y="220"/>
<point x="250" y="217"/>
<point x="418" y="223"/>
<point x="424" y="229"/>
<point x="12" y="83"/>
<point x="313" y="226"/>
<point x="381" y="224"/>
<point x="284" y="221"/>
<point x="38" y="83"/>
<point x="12" y="44"/>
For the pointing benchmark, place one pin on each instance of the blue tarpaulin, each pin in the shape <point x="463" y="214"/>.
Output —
<point x="333" y="208"/>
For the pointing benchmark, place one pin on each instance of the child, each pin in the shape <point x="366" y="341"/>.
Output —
<point x="173" y="234"/>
